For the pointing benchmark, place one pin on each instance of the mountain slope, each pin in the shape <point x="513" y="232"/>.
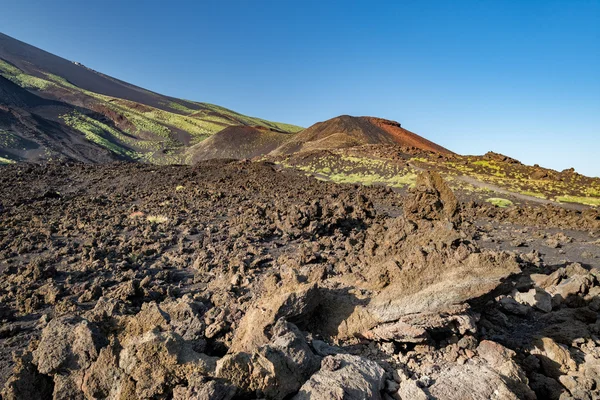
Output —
<point x="238" y="142"/>
<point x="31" y="130"/>
<point x="135" y="122"/>
<point x="346" y="131"/>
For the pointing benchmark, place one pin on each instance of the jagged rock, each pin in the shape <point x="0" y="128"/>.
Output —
<point x="323" y="349"/>
<point x="105" y="308"/>
<point x="568" y="285"/>
<point x="591" y="367"/>
<point x="150" y="317"/>
<point x="430" y="296"/>
<point x="103" y="379"/>
<point x="510" y="305"/>
<point x="409" y="390"/>
<point x="291" y="301"/>
<point x="414" y="328"/>
<point x="26" y="382"/>
<point x="579" y="386"/>
<point x="399" y="331"/>
<point x="432" y="288"/>
<point x="200" y="388"/>
<point x="431" y="199"/>
<point x="157" y="360"/>
<point x="185" y="319"/>
<point x="571" y="290"/>
<point x="277" y="369"/>
<point x="67" y="344"/>
<point x="68" y="387"/>
<point x="501" y="360"/>
<point x="355" y="379"/>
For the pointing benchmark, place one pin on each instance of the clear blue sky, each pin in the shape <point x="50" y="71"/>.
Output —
<point x="518" y="77"/>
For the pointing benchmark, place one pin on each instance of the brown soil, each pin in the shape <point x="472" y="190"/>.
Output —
<point x="406" y="138"/>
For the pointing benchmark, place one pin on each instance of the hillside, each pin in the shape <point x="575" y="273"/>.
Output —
<point x="491" y="178"/>
<point x="52" y="109"/>
<point x="346" y="131"/>
<point x="239" y="142"/>
<point x="128" y="121"/>
<point x="31" y="129"/>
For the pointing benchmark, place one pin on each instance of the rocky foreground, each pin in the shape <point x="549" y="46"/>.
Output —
<point x="232" y="280"/>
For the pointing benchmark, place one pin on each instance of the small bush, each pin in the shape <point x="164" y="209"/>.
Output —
<point x="498" y="202"/>
<point x="157" y="219"/>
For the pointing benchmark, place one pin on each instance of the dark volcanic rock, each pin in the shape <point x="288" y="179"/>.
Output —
<point x="234" y="280"/>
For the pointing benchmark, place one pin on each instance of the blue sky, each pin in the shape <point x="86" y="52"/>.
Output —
<point x="517" y="77"/>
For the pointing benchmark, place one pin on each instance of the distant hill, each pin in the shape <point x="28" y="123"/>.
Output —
<point x="114" y="116"/>
<point x="346" y="131"/>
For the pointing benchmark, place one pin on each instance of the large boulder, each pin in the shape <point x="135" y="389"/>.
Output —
<point x="431" y="198"/>
<point x="276" y="369"/>
<point x="67" y="344"/>
<point x="431" y="295"/>
<point x="103" y="379"/>
<point x="292" y="301"/>
<point x="502" y="361"/>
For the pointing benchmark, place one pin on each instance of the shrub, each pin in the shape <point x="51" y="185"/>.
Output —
<point x="157" y="219"/>
<point x="499" y="202"/>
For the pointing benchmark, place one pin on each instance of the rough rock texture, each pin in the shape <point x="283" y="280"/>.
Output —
<point x="276" y="369"/>
<point x="471" y="382"/>
<point x="67" y="344"/>
<point x="432" y="199"/>
<point x="233" y="280"/>
<point x="344" y="377"/>
<point x="292" y="301"/>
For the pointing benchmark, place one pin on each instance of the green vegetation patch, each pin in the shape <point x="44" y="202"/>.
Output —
<point x="590" y="201"/>
<point x="356" y="170"/>
<point x="593" y="191"/>
<point x="371" y="179"/>
<point x="6" y="160"/>
<point x="180" y="107"/>
<point x="157" y="219"/>
<point x="9" y="140"/>
<point x="61" y="81"/>
<point x="493" y="167"/>
<point x="96" y="131"/>
<point x="244" y="119"/>
<point x="499" y="202"/>
<point x="22" y="79"/>
<point x="532" y="194"/>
